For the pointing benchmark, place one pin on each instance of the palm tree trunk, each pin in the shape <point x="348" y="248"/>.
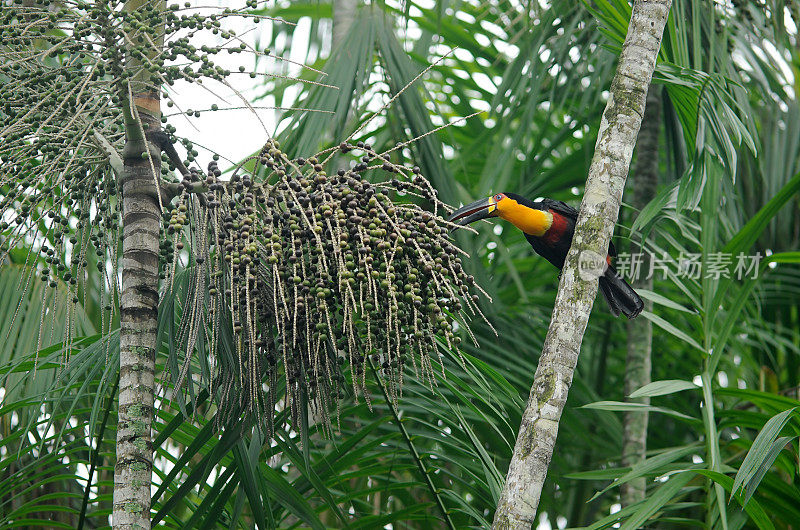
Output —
<point x="615" y="142"/>
<point x="141" y="217"/>
<point x="640" y="331"/>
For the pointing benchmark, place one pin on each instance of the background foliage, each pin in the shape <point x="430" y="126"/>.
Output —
<point x="723" y="438"/>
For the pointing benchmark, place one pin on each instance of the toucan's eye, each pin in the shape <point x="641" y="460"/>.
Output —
<point x="498" y="197"/>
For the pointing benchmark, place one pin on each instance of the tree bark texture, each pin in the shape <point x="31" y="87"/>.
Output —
<point x="616" y="138"/>
<point x="138" y="330"/>
<point x="640" y="330"/>
<point x="141" y="218"/>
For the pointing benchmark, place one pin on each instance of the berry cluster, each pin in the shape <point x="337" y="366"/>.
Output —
<point x="317" y="273"/>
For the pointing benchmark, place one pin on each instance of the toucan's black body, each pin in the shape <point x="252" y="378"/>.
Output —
<point x="553" y="249"/>
<point x="554" y="240"/>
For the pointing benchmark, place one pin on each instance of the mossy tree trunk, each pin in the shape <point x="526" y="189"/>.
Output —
<point x="576" y="292"/>
<point x="141" y="217"/>
<point x="640" y="330"/>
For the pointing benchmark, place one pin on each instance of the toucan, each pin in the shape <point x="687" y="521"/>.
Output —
<point x="548" y="226"/>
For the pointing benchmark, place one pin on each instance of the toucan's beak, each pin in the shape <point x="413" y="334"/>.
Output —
<point x="480" y="209"/>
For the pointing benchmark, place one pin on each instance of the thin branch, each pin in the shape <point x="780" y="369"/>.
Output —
<point x="301" y="109"/>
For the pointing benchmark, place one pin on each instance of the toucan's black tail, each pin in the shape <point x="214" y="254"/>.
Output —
<point x="620" y="296"/>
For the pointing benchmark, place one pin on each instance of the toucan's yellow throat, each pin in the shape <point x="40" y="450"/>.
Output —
<point x="530" y="220"/>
